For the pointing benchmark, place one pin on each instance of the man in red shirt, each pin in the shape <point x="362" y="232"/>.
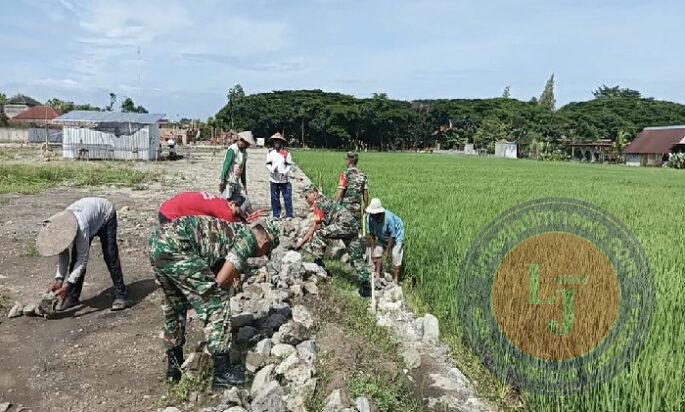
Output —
<point x="199" y="204"/>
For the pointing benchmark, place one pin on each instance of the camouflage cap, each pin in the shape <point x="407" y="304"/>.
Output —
<point x="352" y="155"/>
<point x="271" y="229"/>
<point x="308" y="188"/>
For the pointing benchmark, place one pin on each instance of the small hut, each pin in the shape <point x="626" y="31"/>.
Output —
<point x="506" y="149"/>
<point x="110" y="135"/>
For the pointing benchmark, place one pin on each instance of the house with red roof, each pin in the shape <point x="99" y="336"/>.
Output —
<point x="653" y="146"/>
<point x="35" y="116"/>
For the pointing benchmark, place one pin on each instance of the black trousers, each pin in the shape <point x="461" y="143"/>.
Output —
<point x="110" y="252"/>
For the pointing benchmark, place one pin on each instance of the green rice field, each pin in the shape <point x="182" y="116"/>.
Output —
<point x="446" y="200"/>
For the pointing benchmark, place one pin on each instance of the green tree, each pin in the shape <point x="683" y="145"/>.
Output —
<point x="128" y="106"/>
<point x="3" y="117"/>
<point x="605" y="92"/>
<point x="547" y="100"/>
<point x="507" y="92"/>
<point x="235" y="96"/>
<point x="112" y="102"/>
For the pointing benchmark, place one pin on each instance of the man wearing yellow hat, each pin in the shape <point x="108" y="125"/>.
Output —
<point x="76" y="226"/>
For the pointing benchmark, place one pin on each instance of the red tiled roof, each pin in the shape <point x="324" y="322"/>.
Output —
<point x="656" y="140"/>
<point x="37" y="113"/>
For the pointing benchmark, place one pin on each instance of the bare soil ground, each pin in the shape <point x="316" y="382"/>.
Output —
<point x="92" y="359"/>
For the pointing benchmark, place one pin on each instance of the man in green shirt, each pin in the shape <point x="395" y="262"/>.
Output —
<point x="233" y="179"/>
<point x="182" y="254"/>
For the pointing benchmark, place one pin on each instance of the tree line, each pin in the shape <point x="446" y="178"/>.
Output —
<point x="315" y="118"/>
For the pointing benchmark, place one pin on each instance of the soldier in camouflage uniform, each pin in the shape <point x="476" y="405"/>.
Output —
<point x="182" y="254"/>
<point x="353" y="189"/>
<point x="333" y="221"/>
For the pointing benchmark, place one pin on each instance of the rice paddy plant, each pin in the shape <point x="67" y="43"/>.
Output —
<point x="446" y="200"/>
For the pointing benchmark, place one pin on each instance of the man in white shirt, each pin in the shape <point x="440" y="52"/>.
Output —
<point x="76" y="227"/>
<point x="279" y="163"/>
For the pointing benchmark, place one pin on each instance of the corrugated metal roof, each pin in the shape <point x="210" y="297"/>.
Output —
<point x="656" y="140"/>
<point x="665" y="127"/>
<point x="109" y="117"/>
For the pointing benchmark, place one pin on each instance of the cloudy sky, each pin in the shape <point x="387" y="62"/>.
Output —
<point x="192" y="52"/>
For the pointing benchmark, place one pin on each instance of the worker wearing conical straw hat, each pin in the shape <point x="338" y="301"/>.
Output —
<point x="76" y="227"/>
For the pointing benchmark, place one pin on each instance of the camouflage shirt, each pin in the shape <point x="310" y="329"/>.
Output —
<point x="328" y="212"/>
<point x="209" y="238"/>
<point x="354" y="183"/>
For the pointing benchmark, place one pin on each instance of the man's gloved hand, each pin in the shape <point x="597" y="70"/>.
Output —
<point x="222" y="187"/>
<point x="63" y="291"/>
<point x="56" y="285"/>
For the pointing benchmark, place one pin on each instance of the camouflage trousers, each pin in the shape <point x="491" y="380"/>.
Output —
<point x="346" y="232"/>
<point x="356" y="211"/>
<point x="187" y="281"/>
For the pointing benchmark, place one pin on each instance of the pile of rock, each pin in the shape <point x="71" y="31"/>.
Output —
<point x="272" y="334"/>
<point x="419" y="340"/>
<point x="45" y="307"/>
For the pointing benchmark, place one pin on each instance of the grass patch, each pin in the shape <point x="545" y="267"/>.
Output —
<point x="27" y="179"/>
<point x="180" y="393"/>
<point x="31" y="250"/>
<point x="6" y="155"/>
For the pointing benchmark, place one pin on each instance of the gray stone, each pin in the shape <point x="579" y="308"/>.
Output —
<point x="443" y="382"/>
<point x="293" y="333"/>
<point x="240" y="320"/>
<point x="335" y="250"/>
<point x="431" y="329"/>
<point x="269" y="399"/>
<point x="337" y="401"/>
<point x="291" y="257"/>
<point x="261" y="379"/>
<point x="307" y="351"/>
<point x="276" y="338"/>
<point x="287" y="363"/>
<point x="5" y="406"/>
<point x="16" y="310"/>
<point x="297" y="290"/>
<point x="254" y="361"/>
<point x="345" y="258"/>
<point x="234" y="396"/>
<point x="311" y="288"/>
<point x="295" y="402"/>
<point x="235" y="409"/>
<point x="282" y="350"/>
<point x="302" y="315"/>
<point x="264" y="347"/>
<point x="272" y="323"/>
<point x="411" y="357"/>
<point x="30" y="310"/>
<point x="299" y="374"/>
<point x="458" y="378"/>
<point x="172" y="409"/>
<point x="246" y="334"/>
<point x="362" y="404"/>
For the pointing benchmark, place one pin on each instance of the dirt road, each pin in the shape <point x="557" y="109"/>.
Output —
<point x="92" y="359"/>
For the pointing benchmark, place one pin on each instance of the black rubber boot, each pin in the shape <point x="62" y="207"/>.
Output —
<point x="175" y="360"/>
<point x="226" y="375"/>
<point x="365" y="290"/>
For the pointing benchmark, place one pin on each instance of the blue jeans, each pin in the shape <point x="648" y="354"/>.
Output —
<point x="276" y="190"/>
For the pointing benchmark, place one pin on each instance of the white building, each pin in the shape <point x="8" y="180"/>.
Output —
<point x="110" y="135"/>
<point x="506" y="149"/>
